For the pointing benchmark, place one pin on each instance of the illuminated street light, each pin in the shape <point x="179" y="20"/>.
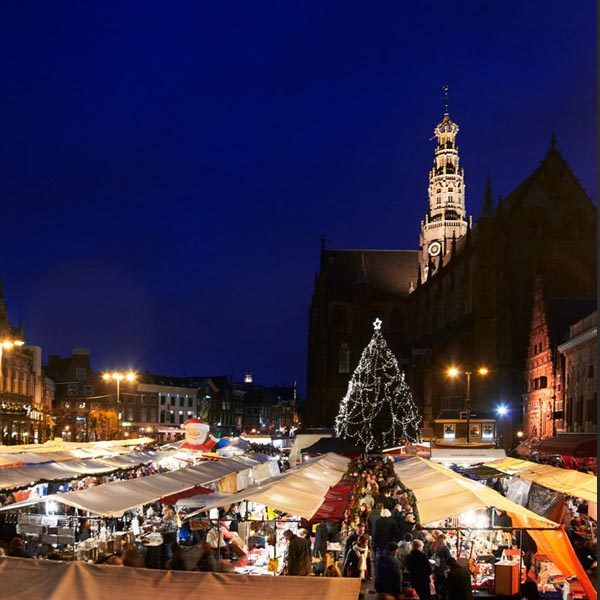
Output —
<point x="502" y="410"/>
<point x="455" y="372"/>
<point x="519" y="434"/>
<point x="118" y="376"/>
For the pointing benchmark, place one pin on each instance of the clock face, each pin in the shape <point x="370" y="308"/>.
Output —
<point x="434" y="248"/>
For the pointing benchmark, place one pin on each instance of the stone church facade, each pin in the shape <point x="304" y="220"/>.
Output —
<point x="463" y="298"/>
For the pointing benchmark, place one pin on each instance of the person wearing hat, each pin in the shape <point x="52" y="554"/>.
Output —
<point x="388" y="574"/>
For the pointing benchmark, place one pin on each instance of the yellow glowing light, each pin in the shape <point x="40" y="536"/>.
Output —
<point x="117" y="376"/>
<point x="519" y="434"/>
<point x="453" y="371"/>
<point x="483" y="370"/>
<point x="106" y="376"/>
<point x="7" y="345"/>
<point x="131" y="376"/>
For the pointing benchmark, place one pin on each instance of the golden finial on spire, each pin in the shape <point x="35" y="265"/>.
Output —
<point x="445" y="90"/>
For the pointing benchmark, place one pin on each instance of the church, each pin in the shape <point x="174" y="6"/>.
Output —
<point x="464" y="297"/>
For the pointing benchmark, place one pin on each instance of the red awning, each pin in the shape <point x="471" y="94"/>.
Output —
<point x="336" y="502"/>
<point x="198" y="489"/>
<point x="570" y="444"/>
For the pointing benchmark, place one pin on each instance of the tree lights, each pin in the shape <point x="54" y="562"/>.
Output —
<point x="378" y="409"/>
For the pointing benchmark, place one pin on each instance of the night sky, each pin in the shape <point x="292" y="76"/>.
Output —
<point x="168" y="168"/>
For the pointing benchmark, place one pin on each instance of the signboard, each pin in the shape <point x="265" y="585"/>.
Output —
<point x="462" y="456"/>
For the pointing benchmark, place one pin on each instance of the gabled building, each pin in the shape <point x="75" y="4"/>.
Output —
<point x="543" y="397"/>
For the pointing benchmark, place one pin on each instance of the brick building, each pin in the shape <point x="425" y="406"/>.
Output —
<point x="85" y="407"/>
<point x="25" y="393"/>
<point x="543" y="397"/>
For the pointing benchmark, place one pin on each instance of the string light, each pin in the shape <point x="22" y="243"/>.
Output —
<point x="378" y="410"/>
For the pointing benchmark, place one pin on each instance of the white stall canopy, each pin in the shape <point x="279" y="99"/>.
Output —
<point x="299" y="491"/>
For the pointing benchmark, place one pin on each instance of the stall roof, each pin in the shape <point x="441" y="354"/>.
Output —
<point x="55" y="580"/>
<point x="59" y="445"/>
<point x="337" y="445"/>
<point x="480" y="472"/>
<point x="442" y="493"/>
<point x="565" y="481"/>
<point x="299" y="491"/>
<point x="115" y="498"/>
<point x="25" y="476"/>
<point x="570" y="444"/>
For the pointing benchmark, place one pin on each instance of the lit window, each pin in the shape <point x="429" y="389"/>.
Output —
<point x="449" y="431"/>
<point x="344" y="359"/>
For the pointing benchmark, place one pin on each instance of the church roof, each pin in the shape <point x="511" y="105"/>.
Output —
<point x="553" y="180"/>
<point x="386" y="271"/>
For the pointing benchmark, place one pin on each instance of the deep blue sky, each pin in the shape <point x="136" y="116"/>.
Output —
<point x="168" y="168"/>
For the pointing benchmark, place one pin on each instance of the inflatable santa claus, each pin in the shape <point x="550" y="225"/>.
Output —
<point x="197" y="435"/>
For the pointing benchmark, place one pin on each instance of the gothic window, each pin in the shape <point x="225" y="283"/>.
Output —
<point x="344" y="359"/>
<point x="543" y="381"/>
<point x="590" y="371"/>
<point x="439" y="199"/>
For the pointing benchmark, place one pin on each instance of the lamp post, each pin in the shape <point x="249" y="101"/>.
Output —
<point x="118" y="376"/>
<point x="455" y="372"/>
<point x="7" y="344"/>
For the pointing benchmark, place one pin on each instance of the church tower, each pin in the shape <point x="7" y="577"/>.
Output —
<point x="446" y="218"/>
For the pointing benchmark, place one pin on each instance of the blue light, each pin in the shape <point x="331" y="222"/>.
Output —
<point x="502" y="410"/>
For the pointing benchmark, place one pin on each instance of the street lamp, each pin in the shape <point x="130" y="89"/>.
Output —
<point x="455" y="372"/>
<point x="118" y="376"/>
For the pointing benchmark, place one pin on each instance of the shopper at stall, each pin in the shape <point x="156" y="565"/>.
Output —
<point x="419" y="569"/>
<point x="458" y="581"/>
<point x="441" y="554"/>
<point x="358" y="562"/>
<point x="352" y="539"/>
<point x="16" y="548"/>
<point x="298" y="555"/>
<point x="388" y="573"/>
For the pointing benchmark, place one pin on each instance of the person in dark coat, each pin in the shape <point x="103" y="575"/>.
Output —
<point x="388" y="574"/>
<point x="458" y="581"/>
<point x="321" y="535"/>
<point x="373" y="517"/>
<point x="358" y="562"/>
<point x="419" y="569"/>
<point x="385" y="531"/>
<point x="298" y="556"/>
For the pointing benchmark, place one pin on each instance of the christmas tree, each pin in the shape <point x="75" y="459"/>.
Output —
<point x="378" y="410"/>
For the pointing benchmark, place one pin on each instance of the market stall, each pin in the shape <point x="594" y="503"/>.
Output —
<point x="442" y="494"/>
<point x="51" y="580"/>
<point x="268" y="509"/>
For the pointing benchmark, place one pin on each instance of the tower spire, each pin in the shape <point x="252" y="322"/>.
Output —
<point x="446" y="216"/>
<point x="487" y="207"/>
<point x="446" y="98"/>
